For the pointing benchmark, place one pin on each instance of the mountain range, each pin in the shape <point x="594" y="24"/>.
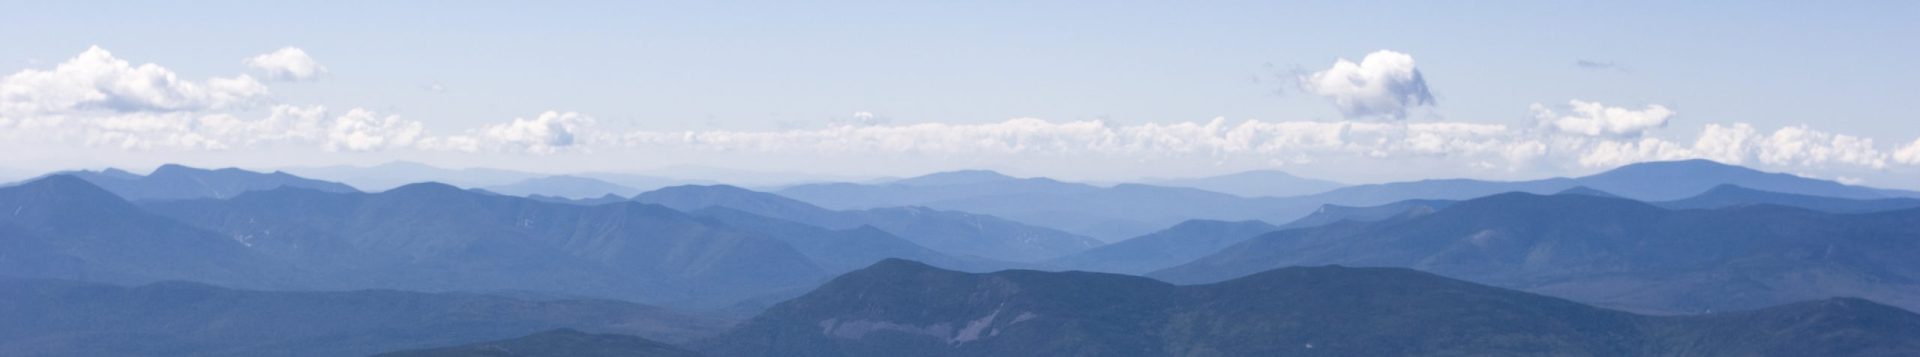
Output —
<point x="564" y="342"/>
<point x="436" y="237"/>
<point x="65" y="318"/>
<point x="564" y="186"/>
<point x="1130" y="210"/>
<point x="177" y="182"/>
<point x="1613" y="252"/>
<point x="902" y="308"/>
<point x="1258" y="183"/>
<point x="955" y="233"/>
<point x="1730" y="195"/>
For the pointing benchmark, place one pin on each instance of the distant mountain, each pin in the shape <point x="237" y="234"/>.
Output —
<point x="1180" y="244"/>
<point x="839" y="251"/>
<point x="1584" y="190"/>
<point x="1107" y="213"/>
<point x="556" y="343"/>
<point x="438" y="237"/>
<point x="596" y="201"/>
<point x="1260" y="183"/>
<point x="1649" y="181"/>
<point x="1330" y="214"/>
<point x="1735" y="196"/>
<point x="574" y="187"/>
<point x="901" y="308"/>
<point x="953" y="233"/>
<point x="643" y="183"/>
<point x="1670" y="180"/>
<point x="58" y="318"/>
<point x="1614" y="252"/>
<point x="400" y="173"/>
<point x="176" y="182"/>
<point x="62" y="227"/>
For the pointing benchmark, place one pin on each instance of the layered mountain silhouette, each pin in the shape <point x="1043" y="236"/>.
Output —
<point x="1130" y="210"/>
<point x="1724" y="196"/>
<point x="1180" y="244"/>
<point x="1650" y="181"/>
<point x="902" y="308"/>
<point x="1108" y="213"/>
<point x="177" y="182"/>
<point x="953" y="233"/>
<point x="1614" y="252"/>
<point x="556" y="343"/>
<point x="1330" y="214"/>
<point x="62" y="318"/>
<point x="438" y="237"/>
<point x="1259" y="183"/>
<point x="62" y="227"/>
<point x="573" y="187"/>
<point x="400" y="173"/>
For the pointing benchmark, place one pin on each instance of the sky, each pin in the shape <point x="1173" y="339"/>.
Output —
<point x="1113" y="90"/>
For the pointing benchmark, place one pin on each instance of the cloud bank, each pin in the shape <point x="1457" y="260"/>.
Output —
<point x="98" y="101"/>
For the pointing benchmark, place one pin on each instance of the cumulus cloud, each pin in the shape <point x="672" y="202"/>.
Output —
<point x="96" y="80"/>
<point x="1595" y="119"/>
<point x="1384" y="84"/>
<point x="364" y="130"/>
<point x="550" y="132"/>
<point x="287" y="64"/>
<point x="1909" y="154"/>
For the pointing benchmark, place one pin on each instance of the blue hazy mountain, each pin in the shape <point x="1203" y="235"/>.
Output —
<point x="1107" y="213"/>
<point x="901" y="308"/>
<point x="437" y="237"/>
<point x="1130" y="210"/>
<point x="400" y="173"/>
<point x="565" y="186"/>
<point x="176" y="182"/>
<point x="1257" y="183"/>
<point x="61" y="318"/>
<point x="1179" y="244"/>
<point x="556" y="343"/>
<point x="1734" y="196"/>
<point x="1330" y="214"/>
<point x="1584" y="190"/>
<point x="62" y="227"/>
<point x="1650" y="181"/>
<point x="1614" y="252"/>
<point x="949" y="232"/>
<point x="841" y="250"/>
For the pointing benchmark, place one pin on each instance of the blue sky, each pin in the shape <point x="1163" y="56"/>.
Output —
<point x="839" y="86"/>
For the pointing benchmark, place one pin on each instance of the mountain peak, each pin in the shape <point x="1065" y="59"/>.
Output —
<point x="960" y="177"/>
<point x="424" y="188"/>
<point x="897" y="264"/>
<point x="65" y="186"/>
<point x="1588" y="191"/>
<point x="175" y="169"/>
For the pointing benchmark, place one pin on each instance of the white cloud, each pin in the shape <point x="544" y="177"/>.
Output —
<point x="1594" y="119"/>
<point x="550" y="132"/>
<point x="1384" y="84"/>
<point x="290" y="64"/>
<point x="364" y="130"/>
<point x="1740" y="143"/>
<point x="96" y="80"/>
<point x="1909" y="154"/>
